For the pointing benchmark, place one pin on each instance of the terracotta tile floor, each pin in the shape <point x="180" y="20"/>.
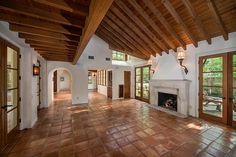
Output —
<point x="122" y="128"/>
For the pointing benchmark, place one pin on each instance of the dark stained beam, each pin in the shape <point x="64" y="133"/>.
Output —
<point x="43" y="33"/>
<point x="216" y="15"/>
<point x="97" y="11"/>
<point x="165" y="23"/>
<point x="154" y="26"/>
<point x="197" y="20"/>
<point x="66" y="5"/>
<point x="16" y="7"/>
<point x="44" y="39"/>
<point x="179" y="20"/>
<point x="39" y="24"/>
<point x="137" y="21"/>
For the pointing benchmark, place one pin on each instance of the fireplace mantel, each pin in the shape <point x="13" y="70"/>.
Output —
<point x="178" y="87"/>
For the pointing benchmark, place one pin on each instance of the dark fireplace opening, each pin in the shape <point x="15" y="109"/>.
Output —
<point x="168" y="101"/>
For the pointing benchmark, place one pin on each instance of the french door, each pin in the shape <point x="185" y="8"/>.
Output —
<point x="217" y="88"/>
<point x="9" y="98"/>
<point x="142" y="78"/>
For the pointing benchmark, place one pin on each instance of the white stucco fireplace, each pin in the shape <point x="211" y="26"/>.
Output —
<point x="180" y="88"/>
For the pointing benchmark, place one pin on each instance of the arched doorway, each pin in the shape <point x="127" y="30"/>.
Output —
<point x="59" y="81"/>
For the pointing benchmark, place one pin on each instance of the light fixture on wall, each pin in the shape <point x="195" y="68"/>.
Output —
<point x="35" y="70"/>
<point x="181" y="57"/>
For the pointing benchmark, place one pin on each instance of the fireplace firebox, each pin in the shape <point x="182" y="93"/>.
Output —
<point x="167" y="100"/>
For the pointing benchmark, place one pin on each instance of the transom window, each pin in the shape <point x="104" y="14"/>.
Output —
<point x="119" y="56"/>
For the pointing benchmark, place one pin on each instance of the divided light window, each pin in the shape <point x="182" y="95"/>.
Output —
<point x="119" y="56"/>
<point x="102" y="77"/>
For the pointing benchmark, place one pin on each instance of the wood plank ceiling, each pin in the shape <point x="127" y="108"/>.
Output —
<point x="148" y="27"/>
<point x="58" y="30"/>
<point x="52" y="27"/>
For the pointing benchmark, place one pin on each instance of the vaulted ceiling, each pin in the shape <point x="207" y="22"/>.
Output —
<point x="145" y="27"/>
<point x="60" y="29"/>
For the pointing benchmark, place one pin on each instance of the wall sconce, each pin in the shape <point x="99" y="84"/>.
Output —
<point x="181" y="57"/>
<point x="35" y="70"/>
<point x="152" y="68"/>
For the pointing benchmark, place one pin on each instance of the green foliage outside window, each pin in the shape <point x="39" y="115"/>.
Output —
<point x="118" y="56"/>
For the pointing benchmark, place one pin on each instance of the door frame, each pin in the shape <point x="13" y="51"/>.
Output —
<point x="225" y="92"/>
<point x="12" y="135"/>
<point x="230" y="89"/>
<point x="141" y="97"/>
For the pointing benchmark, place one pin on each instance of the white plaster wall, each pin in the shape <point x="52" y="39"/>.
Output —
<point x="66" y="84"/>
<point x="102" y="90"/>
<point x="118" y="79"/>
<point x="169" y="68"/>
<point x="79" y="79"/>
<point x="28" y="108"/>
<point x="100" y="50"/>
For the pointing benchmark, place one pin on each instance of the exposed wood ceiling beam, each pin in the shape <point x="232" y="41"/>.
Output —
<point x="217" y="18"/>
<point x="165" y="23"/>
<point x="16" y="7"/>
<point x="124" y="34"/>
<point x="98" y="10"/>
<point x="107" y="30"/>
<point x="127" y="45"/>
<point x="58" y="58"/>
<point x="197" y="20"/>
<point x="108" y="40"/>
<point x="152" y="24"/>
<point x="39" y="24"/>
<point x="121" y="42"/>
<point x="48" y="44"/>
<point x="52" y="48"/>
<point x="43" y="33"/>
<point x="178" y="19"/>
<point x="136" y="20"/>
<point x="44" y="39"/>
<point x="140" y="43"/>
<point x="113" y="43"/>
<point x="134" y="28"/>
<point x="66" y="5"/>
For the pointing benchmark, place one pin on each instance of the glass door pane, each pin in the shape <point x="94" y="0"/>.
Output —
<point x="213" y="86"/>
<point x="234" y="88"/>
<point x="12" y="89"/>
<point x="145" y="87"/>
<point x="138" y="82"/>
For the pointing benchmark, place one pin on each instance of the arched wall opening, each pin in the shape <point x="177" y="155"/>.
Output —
<point x="64" y="82"/>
